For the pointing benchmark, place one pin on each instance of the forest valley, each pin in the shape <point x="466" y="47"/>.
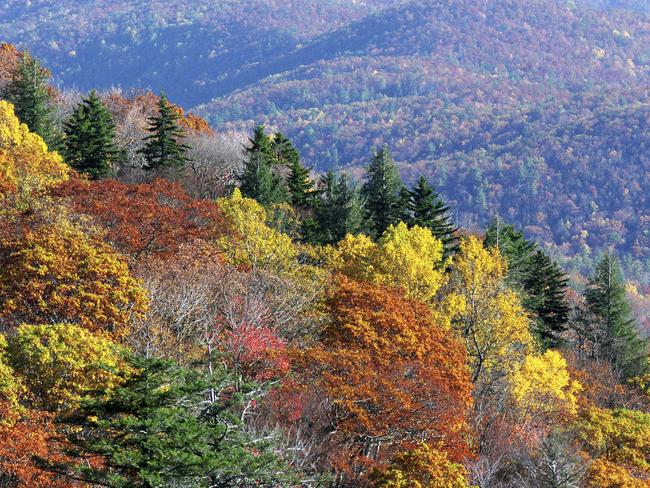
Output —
<point x="180" y="308"/>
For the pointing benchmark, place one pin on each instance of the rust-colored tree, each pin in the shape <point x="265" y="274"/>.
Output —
<point x="392" y="376"/>
<point x="149" y="219"/>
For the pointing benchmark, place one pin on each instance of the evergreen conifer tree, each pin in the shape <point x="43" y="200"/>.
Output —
<point x="29" y="91"/>
<point x="90" y="139"/>
<point x="539" y="279"/>
<point x="159" y="428"/>
<point x="337" y="213"/>
<point x="514" y="247"/>
<point x="427" y="209"/>
<point x="608" y="307"/>
<point x="164" y="149"/>
<point x="258" y="180"/>
<point x="381" y="193"/>
<point x="299" y="183"/>
<point x="545" y="287"/>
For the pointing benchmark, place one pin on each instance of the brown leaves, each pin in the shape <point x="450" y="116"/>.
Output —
<point x="152" y="219"/>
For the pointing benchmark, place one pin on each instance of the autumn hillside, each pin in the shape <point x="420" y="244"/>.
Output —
<point x="455" y="296"/>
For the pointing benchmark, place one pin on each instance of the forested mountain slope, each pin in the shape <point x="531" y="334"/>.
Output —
<point x="522" y="108"/>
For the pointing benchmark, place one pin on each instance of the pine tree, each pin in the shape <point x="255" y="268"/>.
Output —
<point x="381" y="193"/>
<point x="539" y="279"/>
<point x="513" y="245"/>
<point x="160" y="428"/>
<point x="30" y="93"/>
<point x="546" y="286"/>
<point x="427" y="209"/>
<point x="299" y="183"/>
<point x="90" y="139"/>
<point x="258" y="180"/>
<point x="164" y="149"/>
<point x="608" y="308"/>
<point x="338" y="211"/>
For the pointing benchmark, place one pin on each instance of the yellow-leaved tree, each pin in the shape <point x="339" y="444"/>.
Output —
<point x="60" y="363"/>
<point x="11" y="387"/>
<point x="421" y="467"/>
<point x="486" y="313"/>
<point x="543" y="386"/>
<point x="52" y="271"/>
<point x="408" y="258"/>
<point x="26" y="166"/>
<point x="257" y="245"/>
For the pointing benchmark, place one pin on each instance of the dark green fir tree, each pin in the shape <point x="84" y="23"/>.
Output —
<point x="514" y="247"/>
<point x="170" y="426"/>
<point x="30" y="93"/>
<point x="381" y="193"/>
<point x="610" y="314"/>
<point x="337" y="213"/>
<point x="164" y="149"/>
<point x="545" y="287"/>
<point x="299" y="183"/>
<point x="90" y="139"/>
<point x="540" y="281"/>
<point x="427" y="209"/>
<point x="258" y="179"/>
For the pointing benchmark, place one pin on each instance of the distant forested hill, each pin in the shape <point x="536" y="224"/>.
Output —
<point x="537" y="110"/>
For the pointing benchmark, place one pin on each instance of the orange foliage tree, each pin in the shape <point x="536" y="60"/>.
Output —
<point x="25" y="444"/>
<point x="149" y="219"/>
<point x="393" y="377"/>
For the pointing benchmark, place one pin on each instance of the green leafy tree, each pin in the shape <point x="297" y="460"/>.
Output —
<point x="609" y="311"/>
<point x="29" y="91"/>
<point x="90" y="139"/>
<point x="427" y="209"/>
<point x="381" y="193"/>
<point x="164" y="149"/>
<point x="337" y="213"/>
<point x="258" y="180"/>
<point x="170" y="426"/>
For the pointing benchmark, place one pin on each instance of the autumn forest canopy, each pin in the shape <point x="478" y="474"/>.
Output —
<point x="219" y="300"/>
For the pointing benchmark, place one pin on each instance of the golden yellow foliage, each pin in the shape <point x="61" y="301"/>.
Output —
<point x="62" y="362"/>
<point x="605" y="474"/>
<point x="487" y="314"/>
<point x="10" y="386"/>
<point x="422" y="467"/>
<point x="26" y="166"/>
<point x="258" y="245"/>
<point x="410" y="259"/>
<point x="54" y="272"/>
<point x="543" y="385"/>
<point x="620" y="436"/>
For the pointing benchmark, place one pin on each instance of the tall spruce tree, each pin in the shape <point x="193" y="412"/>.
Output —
<point x="545" y="287"/>
<point x="90" y="139"/>
<point x="610" y="311"/>
<point x="514" y="247"/>
<point x="162" y="428"/>
<point x="337" y="213"/>
<point x="299" y="183"/>
<point x="164" y="149"/>
<point x="259" y="180"/>
<point x="29" y="91"/>
<point x="427" y="209"/>
<point x="541" y="282"/>
<point x="381" y="193"/>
